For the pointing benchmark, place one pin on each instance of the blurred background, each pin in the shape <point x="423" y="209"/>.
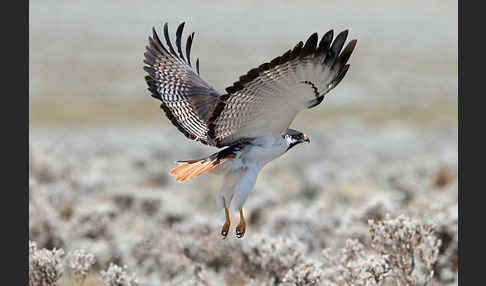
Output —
<point x="384" y="143"/>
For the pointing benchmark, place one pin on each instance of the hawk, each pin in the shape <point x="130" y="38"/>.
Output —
<point x="251" y="120"/>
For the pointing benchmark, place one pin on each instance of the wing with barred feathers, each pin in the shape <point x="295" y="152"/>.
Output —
<point x="263" y="102"/>
<point x="187" y="100"/>
<point x="267" y="99"/>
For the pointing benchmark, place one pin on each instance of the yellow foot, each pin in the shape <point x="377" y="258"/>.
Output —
<point x="225" y="229"/>
<point x="241" y="228"/>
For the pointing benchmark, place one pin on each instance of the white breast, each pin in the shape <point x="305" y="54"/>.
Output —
<point x="256" y="154"/>
<point x="263" y="150"/>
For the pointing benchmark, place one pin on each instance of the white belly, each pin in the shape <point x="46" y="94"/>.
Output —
<point x="241" y="172"/>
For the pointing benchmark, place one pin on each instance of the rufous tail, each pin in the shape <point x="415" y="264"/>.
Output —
<point x="190" y="169"/>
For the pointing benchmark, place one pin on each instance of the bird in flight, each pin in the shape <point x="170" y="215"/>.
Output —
<point x="251" y="119"/>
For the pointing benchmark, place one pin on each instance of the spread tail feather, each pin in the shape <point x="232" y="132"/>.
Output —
<point x="194" y="168"/>
<point x="190" y="169"/>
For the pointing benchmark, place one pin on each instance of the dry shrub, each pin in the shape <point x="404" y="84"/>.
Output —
<point x="45" y="266"/>
<point x="118" y="276"/>
<point x="410" y="247"/>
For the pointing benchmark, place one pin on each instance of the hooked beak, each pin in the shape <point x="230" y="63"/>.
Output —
<point x="306" y="139"/>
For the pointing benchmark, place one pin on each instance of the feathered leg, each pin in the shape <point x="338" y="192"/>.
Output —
<point x="247" y="180"/>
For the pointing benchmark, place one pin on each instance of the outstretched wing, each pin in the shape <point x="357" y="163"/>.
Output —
<point x="187" y="100"/>
<point x="267" y="99"/>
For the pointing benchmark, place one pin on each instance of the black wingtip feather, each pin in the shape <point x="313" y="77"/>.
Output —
<point x="285" y="57"/>
<point x="155" y="41"/>
<point x="325" y="42"/>
<point x="338" y="43"/>
<point x="335" y="49"/>
<point x="310" y="46"/>
<point x="188" y="48"/>
<point x="346" y="53"/>
<point x="264" y="67"/>
<point x="197" y="66"/>
<point x="167" y="39"/>
<point x="156" y="47"/>
<point x="275" y="61"/>
<point x="230" y="89"/>
<point x="178" y="40"/>
<point x="296" y="51"/>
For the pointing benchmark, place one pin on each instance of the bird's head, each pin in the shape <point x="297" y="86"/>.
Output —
<point x="294" y="137"/>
